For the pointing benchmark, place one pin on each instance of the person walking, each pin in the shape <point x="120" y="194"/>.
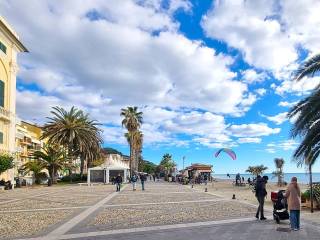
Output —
<point x="154" y="177"/>
<point x="293" y="194"/>
<point x="142" y="179"/>
<point x="118" y="181"/>
<point x="261" y="193"/>
<point x="133" y="181"/>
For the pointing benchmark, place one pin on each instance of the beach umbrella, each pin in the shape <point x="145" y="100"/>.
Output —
<point x="228" y="151"/>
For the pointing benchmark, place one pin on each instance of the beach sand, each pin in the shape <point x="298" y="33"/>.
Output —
<point x="226" y="189"/>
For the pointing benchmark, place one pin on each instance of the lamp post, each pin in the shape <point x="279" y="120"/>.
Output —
<point x="183" y="162"/>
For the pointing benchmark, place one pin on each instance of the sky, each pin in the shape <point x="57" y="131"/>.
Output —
<point x="206" y="74"/>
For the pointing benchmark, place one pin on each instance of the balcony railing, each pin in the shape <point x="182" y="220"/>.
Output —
<point x="5" y="114"/>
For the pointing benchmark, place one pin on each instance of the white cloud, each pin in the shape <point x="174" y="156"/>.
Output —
<point x="252" y="130"/>
<point x="261" y="91"/>
<point x="302" y="87"/>
<point x="251" y="76"/>
<point x="277" y="119"/>
<point x="284" y="145"/>
<point x="249" y="140"/>
<point x="253" y="28"/>
<point x="287" y="104"/>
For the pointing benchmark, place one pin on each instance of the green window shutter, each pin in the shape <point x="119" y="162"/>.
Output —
<point x="3" y="48"/>
<point x="1" y="93"/>
<point x="1" y="137"/>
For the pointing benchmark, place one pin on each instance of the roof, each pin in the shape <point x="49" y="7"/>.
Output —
<point x="12" y="35"/>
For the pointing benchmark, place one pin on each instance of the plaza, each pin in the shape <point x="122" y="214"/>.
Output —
<point x="163" y="211"/>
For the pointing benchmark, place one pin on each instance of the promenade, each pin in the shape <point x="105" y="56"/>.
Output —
<point x="162" y="211"/>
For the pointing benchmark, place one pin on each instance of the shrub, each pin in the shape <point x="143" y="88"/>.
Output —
<point x="6" y="162"/>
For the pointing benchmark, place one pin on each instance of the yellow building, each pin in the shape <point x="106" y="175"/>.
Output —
<point x="27" y="142"/>
<point x="10" y="46"/>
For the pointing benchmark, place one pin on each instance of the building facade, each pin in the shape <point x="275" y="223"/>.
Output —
<point x="10" y="46"/>
<point x="27" y="142"/>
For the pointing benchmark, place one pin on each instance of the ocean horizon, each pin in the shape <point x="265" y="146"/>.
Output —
<point x="302" y="177"/>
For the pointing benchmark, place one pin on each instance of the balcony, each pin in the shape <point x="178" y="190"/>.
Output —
<point x="5" y="114"/>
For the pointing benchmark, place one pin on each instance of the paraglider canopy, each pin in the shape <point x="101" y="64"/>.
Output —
<point x="228" y="151"/>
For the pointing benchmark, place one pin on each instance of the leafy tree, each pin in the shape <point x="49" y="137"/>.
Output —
<point x="6" y="162"/>
<point x="167" y="164"/>
<point x="36" y="167"/>
<point x="132" y="120"/>
<point x="148" y="167"/>
<point x="279" y="162"/>
<point x="75" y="131"/>
<point x="53" y="158"/>
<point x="256" y="170"/>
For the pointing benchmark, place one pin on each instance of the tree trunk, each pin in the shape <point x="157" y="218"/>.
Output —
<point x="130" y="162"/>
<point x="81" y="166"/>
<point x="311" y="187"/>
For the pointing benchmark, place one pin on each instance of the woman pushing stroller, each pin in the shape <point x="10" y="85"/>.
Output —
<point x="294" y="203"/>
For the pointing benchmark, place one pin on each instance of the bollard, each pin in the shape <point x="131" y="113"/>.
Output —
<point x="206" y="189"/>
<point x="234" y="196"/>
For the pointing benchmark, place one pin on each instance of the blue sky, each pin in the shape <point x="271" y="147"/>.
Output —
<point x="207" y="74"/>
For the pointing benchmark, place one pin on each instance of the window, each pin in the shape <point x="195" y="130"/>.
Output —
<point x="1" y="93"/>
<point x="1" y="137"/>
<point x="3" y="48"/>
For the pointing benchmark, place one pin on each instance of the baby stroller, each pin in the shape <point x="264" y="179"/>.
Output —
<point x="280" y="206"/>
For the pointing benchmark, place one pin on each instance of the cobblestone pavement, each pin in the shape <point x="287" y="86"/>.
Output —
<point x="162" y="211"/>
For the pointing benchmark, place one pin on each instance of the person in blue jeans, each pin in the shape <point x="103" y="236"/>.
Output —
<point x="118" y="181"/>
<point x="293" y="194"/>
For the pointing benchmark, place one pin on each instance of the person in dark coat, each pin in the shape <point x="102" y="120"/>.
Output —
<point x="118" y="181"/>
<point x="261" y="193"/>
<point x="142" y="179"/>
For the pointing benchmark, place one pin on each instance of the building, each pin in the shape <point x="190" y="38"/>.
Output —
<point x="10" y="46"/>
<point x="114" y="163"/>
<point x="27" y="142"/>
<point x="197" y="170"/>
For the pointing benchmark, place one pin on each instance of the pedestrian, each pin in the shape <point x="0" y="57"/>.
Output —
<point x="294" y="203"/>
<point x="118" y="181"/>
<point x="205" y="179"/>
<point x="154" y="177"/>
<point x="133" y="181"/>
<point x="261" y="193"/>
<point x="142" y="179"/>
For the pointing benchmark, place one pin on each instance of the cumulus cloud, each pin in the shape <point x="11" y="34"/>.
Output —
<point x="302" y="87"/>
<point x="249" y="140"/>
<point x="277" y="119"/>
<point x="102" y="56"/>
<point x="252" y="130"/>
<point x="287" y="104"/>
<point x="284" y="145"/>
<point x="251" y="76"/>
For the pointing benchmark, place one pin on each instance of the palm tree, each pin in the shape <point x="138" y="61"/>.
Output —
<point x="279" y="162"/>
<point x="256" y="170"/>
<point x="132" y="120"/>
<point x="75" y="131"/>
<point x="53" y="158"/>
<point x="167" y="164"/>
<point x="309" y="68"/>
<point x="36" y="167"/>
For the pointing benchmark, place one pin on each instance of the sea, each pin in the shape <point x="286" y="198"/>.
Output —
<point x="302" y="177"/>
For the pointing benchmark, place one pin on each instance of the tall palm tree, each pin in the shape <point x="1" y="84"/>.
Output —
<point x="53" y="158"/>
<point x="74" y="130"/>
<point x="279" y="162"/>
<point x="309" y="68"/>
<point x="132" y="120"/>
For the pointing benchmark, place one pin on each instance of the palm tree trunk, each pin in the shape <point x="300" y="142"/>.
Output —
<point x="311" y="187"/>
<point x="130" y="162"/>
<point x="81" y="166"/>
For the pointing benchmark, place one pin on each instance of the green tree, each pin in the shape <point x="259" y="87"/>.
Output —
<point x="167" y="164"/>
<point x="256" y="170"/>
<point x="36" y="167"/>
<point x="6" y="162"/>
<point x="279" y="162"/>
<point x="148" y="167"/>
<point x="132" y="120"/>
<point x="75" y="131"/>
<point x="53" y="158"/>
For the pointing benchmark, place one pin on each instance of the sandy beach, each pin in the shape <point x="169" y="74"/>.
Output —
<point x="226" y="189"/>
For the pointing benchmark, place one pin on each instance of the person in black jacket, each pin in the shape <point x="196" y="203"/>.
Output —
<point x="118" y="181"/>
<point x="142" y="179"/>
<point x="261" y="193"/>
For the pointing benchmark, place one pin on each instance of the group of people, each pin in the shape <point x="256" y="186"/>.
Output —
<point x="133" y="180"/>
<point x="292" y="195"/>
